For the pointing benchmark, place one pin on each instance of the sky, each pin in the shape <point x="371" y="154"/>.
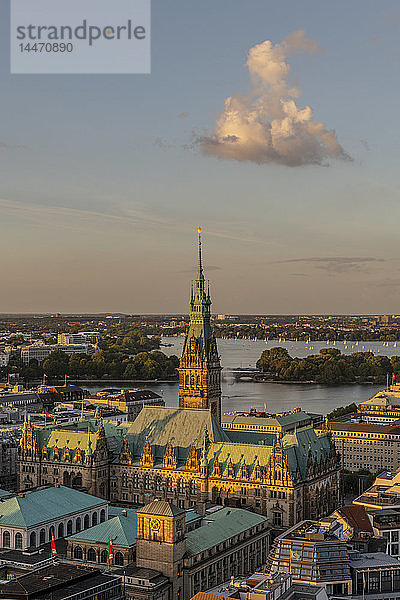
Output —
<point x="273" y="125"/>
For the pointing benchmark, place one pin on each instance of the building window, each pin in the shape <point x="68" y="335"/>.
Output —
<point x="78" y="552"/>
<point x="6" y="539"/>
<point x="42" y="537"/>
<point x="119" y="558"/>
<point x="91" y="555"/>
<point x="18" y="541"/>
<point x="277" y="518"/>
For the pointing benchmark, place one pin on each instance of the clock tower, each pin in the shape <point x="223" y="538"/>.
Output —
<point x="200" y="368"/>
<point x="161" y="541"/>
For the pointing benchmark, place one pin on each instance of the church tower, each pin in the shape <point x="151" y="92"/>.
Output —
<point x="200" y="368"/>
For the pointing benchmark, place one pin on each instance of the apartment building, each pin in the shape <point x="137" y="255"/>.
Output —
<point x="366" y="445"/>
<point x="40" y="352"/>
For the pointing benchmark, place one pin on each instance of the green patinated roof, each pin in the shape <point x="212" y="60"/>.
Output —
<point x="161" y="507"/>
<point x="298" y="444"/>
<point x="223" y="524"/>
<point x="181" y="427"/>
<point x="4" y="493"/>
<point x="40" y="506"/>
<point x="250" y="420"/>
<point x="279" y="420"/>
<point x="184" y="428"/>
<point x="120" y="529"/>
<point x="292" y="418"/>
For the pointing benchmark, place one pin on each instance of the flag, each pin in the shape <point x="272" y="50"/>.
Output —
<point x="110" y="551"/>
<point x="53" y="545"/>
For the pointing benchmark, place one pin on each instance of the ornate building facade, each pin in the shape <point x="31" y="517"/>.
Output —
<point x="183" y="455"/>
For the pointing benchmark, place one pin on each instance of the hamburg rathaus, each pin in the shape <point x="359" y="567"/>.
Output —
<point x="184" y="454"/>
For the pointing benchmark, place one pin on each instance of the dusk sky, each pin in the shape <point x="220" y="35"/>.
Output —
<point x="273" y="125"/>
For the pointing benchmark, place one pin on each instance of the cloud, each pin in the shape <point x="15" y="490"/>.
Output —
<point x="335" y="264"/>
<point x="267" y="126"/>
<point x="183" y="115"/>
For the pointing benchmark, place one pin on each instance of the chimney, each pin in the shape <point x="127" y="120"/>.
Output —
<point x="124" y="512"/>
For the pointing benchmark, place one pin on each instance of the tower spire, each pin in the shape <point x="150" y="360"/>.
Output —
<point x="200" y="266"/>
<point x="200" y="369"/>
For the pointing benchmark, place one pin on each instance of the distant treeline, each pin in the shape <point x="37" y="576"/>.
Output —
<point x="330" y="366"/>
<point x="129" y="356"/>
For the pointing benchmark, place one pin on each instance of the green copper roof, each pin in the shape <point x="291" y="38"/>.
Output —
<point x="121" y="530"/>
<point x="161" y="507"/>
<point x="40" y="506"/>
<point x="220" y="527"/>
<point x="180" y="426"/>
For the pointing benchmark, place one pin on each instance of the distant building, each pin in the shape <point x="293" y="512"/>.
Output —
<point x="4" y="358"/>
<point x="40" y="352"/>
<point x="366" y="445"/>
<point x="383" y="407"/>
<point x="270" y="423"/>
<point x="129" y="401"/>
<point x="382" y="503"/>
<point x="83" y="337"/>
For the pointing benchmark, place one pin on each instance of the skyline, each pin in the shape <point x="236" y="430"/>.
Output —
<point x="106" y="178"/>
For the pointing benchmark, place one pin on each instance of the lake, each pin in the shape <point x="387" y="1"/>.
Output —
<point x="275" y="397"/>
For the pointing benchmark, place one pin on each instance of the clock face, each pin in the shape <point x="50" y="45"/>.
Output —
<point x="155" y="524"/>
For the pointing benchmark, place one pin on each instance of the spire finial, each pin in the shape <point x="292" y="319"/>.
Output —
<point x="200" y="270"/>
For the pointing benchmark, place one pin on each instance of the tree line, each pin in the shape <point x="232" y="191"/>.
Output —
<point x="132" y="355"/>
<point x="330" y="366"/>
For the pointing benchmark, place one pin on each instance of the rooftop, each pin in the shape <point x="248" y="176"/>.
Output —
<point x="120" y="529"/>
<point x="57" y="581"/>
<point x="33" y="507"/>
<point x="162" y="508"/>
<point x="219" y="527"/>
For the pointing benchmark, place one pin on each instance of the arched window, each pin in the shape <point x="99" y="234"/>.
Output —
<point x="77" y="481"/>
<point x="102" y="515"/>
<point x="42" y="537"/>
<point x="91" y="555"/>
<point x="86" y="522"/>
<point x="119" y="558"/>
<point x="6" y="539"/>
<point x="78" y="524"/>
<point x="18" y="541"/>
<point x="61" y="530"/>
<point x="69" y="527"/>
<point x="78" y="552"/>
<point x="102" y="490"/>
<point x="66" y="479"/>
<point x="32" y="540"/>
<point x="94" y="519"/>
<point x="104" y="557"/>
